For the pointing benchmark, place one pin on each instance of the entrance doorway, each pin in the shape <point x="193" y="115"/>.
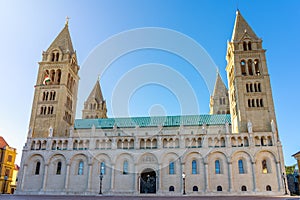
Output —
<point x="148" y="182"/>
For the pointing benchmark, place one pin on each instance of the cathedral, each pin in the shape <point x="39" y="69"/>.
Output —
<point x="233" y="150"/>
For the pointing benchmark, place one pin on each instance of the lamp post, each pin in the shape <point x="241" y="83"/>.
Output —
<point x="183" y="178"/>
<point x="4" y="185"/>
<point x="101" y="177"/>
<point x="283" y="177"/>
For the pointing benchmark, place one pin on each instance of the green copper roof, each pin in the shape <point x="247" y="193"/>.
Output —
<point x="166" y="121"/>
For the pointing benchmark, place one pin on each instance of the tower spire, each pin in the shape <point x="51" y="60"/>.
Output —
<point x="219" y="103"/>
<point x="241" y="27"/>
<point x="95" y="105"/>
<point x="63" y="40"/>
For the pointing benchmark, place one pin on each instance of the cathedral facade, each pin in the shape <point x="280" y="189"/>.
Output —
<point x="235" y="149"/>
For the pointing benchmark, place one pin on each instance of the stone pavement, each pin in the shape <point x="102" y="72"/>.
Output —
<point x="62" y="197"/>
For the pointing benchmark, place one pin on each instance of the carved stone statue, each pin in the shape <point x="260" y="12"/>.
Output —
<point x="204" y="129"/>
<point x="50" y="131"/>
<point x="93" y="128"/>
<point x="71" y="129"/>
<point x="273" y="126"/>
<point x="227" y="127"/>
<point x="249" y="125"/>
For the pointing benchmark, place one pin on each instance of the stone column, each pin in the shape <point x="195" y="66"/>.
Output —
<point x="227" y="141"/>
<point x="157" y="180"/>
<point x="112" y="184"/>
<point x="23" y="177"/>
<point x="134" y="178"/>
<point x="246" y="68"/>
<point x="159" y="142"/>
<point x="206" y="186"/>
<point x="45" y="177"/>
<point x="90" y="174"/>
<point x="279" y="175"/>
<point x="67" y="177"/>
<point x="253" y="70"/>
<point x="181" y="179"/>
<point x="160" y="177"/>
<point x="229" y="176"/>
<point x="254" y="176"/>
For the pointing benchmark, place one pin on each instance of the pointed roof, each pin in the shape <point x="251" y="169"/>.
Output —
<point x="241" y="27"/>
<point x="96" y="93"/>
<point x="219" y="85"/>
<point x="3" y="143"/>
<point x="63" y="41"/>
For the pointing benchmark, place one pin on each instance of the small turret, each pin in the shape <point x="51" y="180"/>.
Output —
<point x="95" y="105"/>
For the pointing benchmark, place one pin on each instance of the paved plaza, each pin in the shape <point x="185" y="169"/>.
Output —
<point x="50" y="197"/>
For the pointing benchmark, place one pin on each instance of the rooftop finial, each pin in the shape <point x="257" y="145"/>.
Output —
<point x="98" y="77"/>
<point x="67" y="21"/>
<point x="237" y="7"/>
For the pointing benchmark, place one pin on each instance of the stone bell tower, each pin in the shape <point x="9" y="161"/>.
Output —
<point x="95" y="105"/>
<point x="55" y="95"/>
<point x="250" y="95"/>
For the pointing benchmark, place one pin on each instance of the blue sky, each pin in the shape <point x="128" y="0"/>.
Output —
<point x="29" y="27"/>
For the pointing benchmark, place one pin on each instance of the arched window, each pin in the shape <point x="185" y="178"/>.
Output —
<point x="270" y="143"/>
<point x="258" y="87"/>
<point x="262" y="141"/>
<point x="194" y="167"/>
<point x="246" y="141"/>
<point x="243" y="68"/>
<point x="37" y="168"/>
<point x="249" y="103"/>
<point x="257" y="103"/>
<point x="244" y="188"/>
<point x="261" y="103"/>
<point x="268" y="188"/>
<point x="217" y="167"/>
<point x="249" y="46"/>
<point x="102" y="168"/>
<point x="57" y="56"/>
<point x="241" y="167"/>
<point x="52" y="95"/>
<point x="219" y="188"/>
<point x="251" y="87"/>
<point x="125" y="167"/>
<point x="53" y="57"/>
<point x="250" y="67"/>
<point x="58" y="168"/>
<point x="58" y="76"/>
<point x="255" y="87"/>
<point x="172" y="168"/>
<point x="264" y="167"/>
<point x="247" y="87"/>
<point x="171" y="189"/>
<point x="245" y="46"/>
<point x="253" y="103"/>
<point x="80" y="168"/>
<point x="222" y="142"/>
<point x="195" y="188"/>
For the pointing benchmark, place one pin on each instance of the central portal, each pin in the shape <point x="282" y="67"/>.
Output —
<point x="148" y="182"/>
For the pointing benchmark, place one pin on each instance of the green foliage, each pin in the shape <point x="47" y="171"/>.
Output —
<point x="290" y="169"/>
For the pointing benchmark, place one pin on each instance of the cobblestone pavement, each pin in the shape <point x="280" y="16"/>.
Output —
<point x="50" y="197"/>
